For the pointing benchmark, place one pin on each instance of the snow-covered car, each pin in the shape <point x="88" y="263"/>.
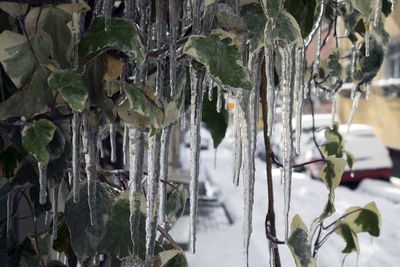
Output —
<point x="372" y="158"/>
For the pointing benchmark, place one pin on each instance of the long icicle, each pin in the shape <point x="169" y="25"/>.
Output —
<point x="287" y="58"/>
<point x="196" y="104"/>
<point x="317" y="55"/>
<point x="113" y="143"/>
<point x="237" y="154"/>
<point x="55" y="211"/>
<point x="136" y="161"/>
<point x="161" y="38"/>
<point x="366" y="40"/>
<point x="76" y="121"/>
<point x="125" y="145"/>
<point x="377" y="12"/>
<point x="269" y="69"/>
<point x="75" y="33"/>
<point x="152" y="201"/>
<point x="219" y="99"/>
<point x="42" y="182"/>
<point x="107" y="11"/>
<point x="196" y="7"/>
<point x="10" y="196"/>
<point x="174" y="10"/>
<point x="299" y="92"/>
<point x="334" y="106"/>
<point x="356" y="100"/>
<point x="130" y="9"/>
<point x="165" y="141"/>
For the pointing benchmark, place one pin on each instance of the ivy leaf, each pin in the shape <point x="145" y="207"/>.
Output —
<point x="84" y="236"/>
<point x="303" y="12"/>
<point x="254" y="18"/>
<point x="334" y="66"/>
<point x="62" y="242"/>
<point x="122" y="36"/>
<point x="272" y="8"/>
<point x="332" y="172"/>
<point x="9" y="161"/>
<point x="299" y="243"/>
<point x="171" y="258"/>
<point x="176" y="204"/>
<point x="35" y="138"/>
<point x="349" y="237"/>
<point x="71" y="87"/>
<point x="367" y="219"/>
<point x="286" y="31"/>
<point x="216" y="122"/>
<point x="220" y="56"/>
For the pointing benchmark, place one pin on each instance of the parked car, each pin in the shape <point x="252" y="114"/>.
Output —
<point x="372" y="158"/>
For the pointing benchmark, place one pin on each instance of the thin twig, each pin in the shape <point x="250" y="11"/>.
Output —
<point x="168" y="183"/>
<point x="274" y="160"/>
<point x="168" y="237"/>
<point x="342" y="217"/>
<point x="323" y="240"/>
<point x="22" y="21"/>
<point x="37" y="19"/>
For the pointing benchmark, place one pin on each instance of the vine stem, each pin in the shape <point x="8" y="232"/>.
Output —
<point x="168" y="237"/>
<point x="274" y="160"/>
<point x="270" y="227"/>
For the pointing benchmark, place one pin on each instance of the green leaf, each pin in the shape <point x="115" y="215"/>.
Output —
<point x="62" y="242"/>
<point x="176" y="204"/>
<point x="35" y="138"/>
<point x="35" y="98"/>
<point x="349" y="237"/>
<point x="220" y="56"/>
<point x="334" y="66"/>
<point x="254" y="18"/>
<point x="216" y="122"/>
<point x="121" y="36"/>
<point x="332" y="172"/>
<point x="272" y="8"/>
<point x="84" y="236"/>
<point x="303" y="12"/>
<point x="72" y="88"/>
<point x="286" y="31"/>
<point x="9" y="161"/>
<point x="299" y="243"/>
<point x="367" y="219"/>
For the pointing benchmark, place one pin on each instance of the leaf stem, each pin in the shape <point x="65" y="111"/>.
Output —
<point x="168" y="237"/>
<point x="341" y="217"/>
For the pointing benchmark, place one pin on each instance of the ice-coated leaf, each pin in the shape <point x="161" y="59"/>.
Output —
<point x="176" y="204"/>
<point x="84" y="236"/>
<point x="254" y="18"/>
<point x="141" y="104"/>
<point x="216" y="122"/>
<point x="117" y="241"/>
<point x="299" y="243"/>
<point x="171" y="258"/>
<point x="14" y="9"/>
<point x="332" y="171"/>
<point x="303" y="12"/>
<point x="35" y="138"/>
<point x="122" y="36"/>
<point x="367" y="219"/>
<point x="286" y="31"/>
<point x="34" y="98"/>
<point x="272" y="8"/>
<point x="71" y="87"/>
<point x="220" y="56"/>
<point x="349" y="237"/>
<point x="17" y="58"/>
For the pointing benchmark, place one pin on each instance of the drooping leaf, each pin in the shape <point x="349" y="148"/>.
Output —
<point x="176" y="204"/>
<point x="286" y="31"/>
<point x="71" y="87"/>
<point x="299" y="243"/>
<point x="84" y="236"/>
<point x="221" y="58"/>
<point x="25" y="254"/>
<point x="303" y="12"/>
<point x="332" y="171"/>
<point x="216" y="122"/>
<point x="121" y="36"/>
<point x="366" y="219"/>
<point x="35" y="138"/>
<point x="349" y="237"/>
<point x="254" y="18"/>
<point x="171" y="258"/>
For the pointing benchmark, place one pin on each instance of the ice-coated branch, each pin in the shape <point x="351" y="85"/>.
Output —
<point x="317" y="24"/>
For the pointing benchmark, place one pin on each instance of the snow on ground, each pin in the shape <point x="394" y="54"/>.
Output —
<point x="224" y="247"/>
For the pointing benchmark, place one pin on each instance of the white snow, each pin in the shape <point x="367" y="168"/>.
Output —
<point x="224" y="247"/>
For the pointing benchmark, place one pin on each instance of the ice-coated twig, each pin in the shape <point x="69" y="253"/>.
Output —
<point x="354" y="109"/>
<point x="174" y="10"/>
<point x="287" y="58"/>
<point x="394" y="2"/>
<point x="317" y="24"/>
<point x="55" y="211"/>
<point x="269" y="71"/>
<point x="125" y="145"/>
<point x="219" y="99"/>
<point x="46" y="218"/>
<point x="366" y="40"/>
<point x="42" y="182"/>
<point x="152" y="200"/>
<point x="353" y="60"/>
<point x="76" y="121"/>
<point x="113" y="143"/>
<point x="367" y="87"/>
<point x="317" y="55"/>
<point x="196" y="104"/>
<point x="187" y="15"/>
<point x="100" y="147"/>
<point x="165" y="141"/>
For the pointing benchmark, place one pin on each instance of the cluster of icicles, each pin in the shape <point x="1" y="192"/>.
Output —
<point x="293" y="90"/>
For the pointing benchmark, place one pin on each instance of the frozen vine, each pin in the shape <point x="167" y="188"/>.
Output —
<point x="42" y="182"/>
<point x="165" y="141"/>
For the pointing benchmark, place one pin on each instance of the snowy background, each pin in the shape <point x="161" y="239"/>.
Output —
<point x="223" y="247"/>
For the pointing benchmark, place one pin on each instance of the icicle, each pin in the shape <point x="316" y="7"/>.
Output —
<point x="101" y="257"/>
<point x="353" y="91"/>
<point x="317" y="52"/>
<point x="215" y="158"/>
<point x="187" y="15"/>
<point x="210" y="92"/>
<point x="136" y="160"/>
<point x="58" y="256"/>
<point x="366" y="38"/>
<point x="393" y="4"/>
<point x="183" y="121"/>
<point x="113" y="143"/>
<point x="125" y="145"/>
<point x="367" y="90"/>
<point x="226" y="98"/>
<point x="100" y="147"/>
<point x="174" y="11"/>
<point x="75" y="34"/>
<point x="269" y="69"/>
<point x="65" y="260"/>
<point x="91" y="173"/>
<point x="46" y="218"/>
<point x="334" y="106"/>
<point x="9" y="218"/>
<point x="299" y="88"/>
<point x="69" y="178"/>
<point x="377" y="12"/>
<point x="196" y="28"/>
<point x="152" y="201"/>
<point x="85" y="134"/>
<point x="161" y="36"/>
<point x="107" y="11"/>
<point x="353" y="109"/>
<point x="42" y="182"/>
<point x="219" y="99"/>
<point x="287" y="54"/>
<point x="353" y="60"/>
<point x="55" y="212"/>
<point x="196" y="105"/>
<point x="237" y="154"/>
<point x="130" y="10"/>
<point x="165" y="141"/>
<point x="76" y="121"/>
